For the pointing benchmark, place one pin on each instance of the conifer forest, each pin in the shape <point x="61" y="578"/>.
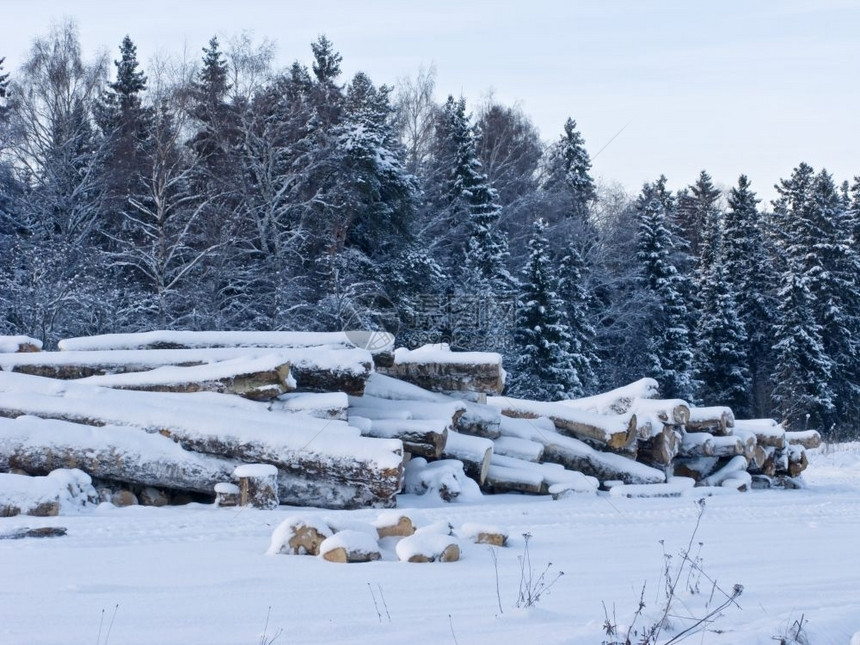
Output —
<point x="225" y="193"/>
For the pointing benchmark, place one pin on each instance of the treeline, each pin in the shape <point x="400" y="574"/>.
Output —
<point x="228" y="194"/>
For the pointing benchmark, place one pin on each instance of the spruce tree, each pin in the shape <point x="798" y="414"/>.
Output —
<point x="568" y="171"/>
<point x="669" y="343"/>
<point x="579" y="307"/>
<point x="544" y="367"/>
<point x="750" y="273"/>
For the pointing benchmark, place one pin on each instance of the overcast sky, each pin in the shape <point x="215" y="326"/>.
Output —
<point x="729" y="86"/>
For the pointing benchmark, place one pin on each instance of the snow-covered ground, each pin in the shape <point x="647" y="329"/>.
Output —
<point x="198" y="574"/>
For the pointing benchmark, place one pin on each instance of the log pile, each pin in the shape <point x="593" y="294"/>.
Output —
<point x="260" y="418"/>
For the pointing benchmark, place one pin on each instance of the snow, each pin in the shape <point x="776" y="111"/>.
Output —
<point x="442" y="354"/>
<point x="71" y="489"/>
<point x="255" y="471"/>
<point x="617" y="401"/>
<point x="11" y="344"/>
<point x="443" y="479"/>
<point x="197" y="573"/>
<point x="202" y="339"/>
<point x="323" y="405"/>
<point x="226" y="488"/>
<point x="471" y="530"/>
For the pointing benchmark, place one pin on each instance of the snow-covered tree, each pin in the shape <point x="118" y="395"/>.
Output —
<point x="569" y="171"/>
<point x="669" y="342"/>
<point x="544" y="367"/>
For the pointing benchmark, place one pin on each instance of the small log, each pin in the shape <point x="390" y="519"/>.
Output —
<point x="422" y="437"/>
<point x="727" y="470"/>
<point x="768" y="432"/>
<point x="696" y="468"/>
<point x="697" y="444"/>
<point x="790" y="461"/>
<point x="395" y="525"/>
<point x="428" y="547"/>
<point x="673" y="412"/>
<point x="350" y="546"/>
<point x="227" y="495"/>
<point x="474" y="452"/>
<point x="298" y="536"/>
<point x="504" y="479"/>
<point x="19" y="345"/>
<point x="520" y="448"/>
<point x="258" y="485"/>
<point x="616" y="433"/>
<point x="717" y="420"/>
<point x="729" y="446"/>
<point x="809" y="439"/>
<point x="373" y="407"/>
<point x="321" y="405"/>
<point x="440" y="370"/>
<point x="41" y="532"/>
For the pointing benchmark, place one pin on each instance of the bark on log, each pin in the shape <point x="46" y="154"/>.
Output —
<point x="474" y="452"/>
<point x="616" y="433"/>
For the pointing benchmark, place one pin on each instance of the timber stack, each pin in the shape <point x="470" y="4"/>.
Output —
<point x="309" y="419"/>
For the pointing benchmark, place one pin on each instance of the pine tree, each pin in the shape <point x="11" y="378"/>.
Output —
<point x="669" y="341"/>
<point x="4" y="90"/>
<point x="543" y="369"/>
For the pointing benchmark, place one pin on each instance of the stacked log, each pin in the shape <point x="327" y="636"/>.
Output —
<point x="306" y="419"/>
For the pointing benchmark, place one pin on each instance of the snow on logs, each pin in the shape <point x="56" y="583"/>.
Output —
<point x="19" y="345"/>
<point x="615" y="432"/>
<point x="313" y="369"/>
<point x="321" y="463"/>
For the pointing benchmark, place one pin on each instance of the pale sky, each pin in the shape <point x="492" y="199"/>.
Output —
<point x="728" y="86"/>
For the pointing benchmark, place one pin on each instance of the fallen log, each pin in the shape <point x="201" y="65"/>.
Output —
<point x="258" y="486"/>
<point x="718" y="420"/>
<point x="436" y="368"/>
<point x="731" y="473"/>
<point x="59" y="490"/>
<point x="474" y="452"/>
<point x="697" y="444"/>
<point x="320" y="462"/>
<point x="373" y="407"/>
<point x="314" y="369"/>
<point x="116" y="453"/>
<point x="616" y="432"/>
<point x="790" y="461"/>
<point x="258" y="379"/>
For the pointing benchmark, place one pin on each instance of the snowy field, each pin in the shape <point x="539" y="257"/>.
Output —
<point x="197" y="574"/>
